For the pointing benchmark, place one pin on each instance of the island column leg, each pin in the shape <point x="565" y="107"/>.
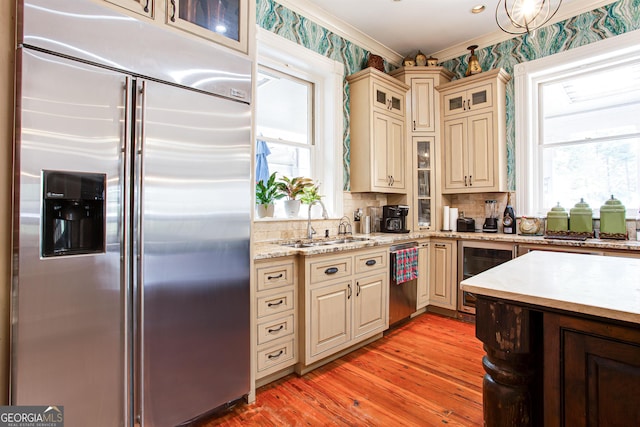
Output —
<point x="510" y="387"/>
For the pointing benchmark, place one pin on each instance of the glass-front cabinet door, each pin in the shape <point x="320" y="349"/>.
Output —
<point x="222" y="21"/>
<point x="424" y="185"/>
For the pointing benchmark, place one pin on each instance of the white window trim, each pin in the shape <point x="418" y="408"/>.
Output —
<point x="328" y="75"/>
<point x="528" y="77"/>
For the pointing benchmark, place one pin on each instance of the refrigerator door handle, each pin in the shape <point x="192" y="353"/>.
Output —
<point x="125" y="239"/>
<point x="138" y="235"/>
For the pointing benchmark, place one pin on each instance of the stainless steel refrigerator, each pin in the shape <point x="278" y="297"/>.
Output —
<point x="130" y="297"/>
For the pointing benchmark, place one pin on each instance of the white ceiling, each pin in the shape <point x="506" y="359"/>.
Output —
<point x="432" y="26"/>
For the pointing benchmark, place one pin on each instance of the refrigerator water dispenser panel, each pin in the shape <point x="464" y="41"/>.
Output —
<point x="73" y="221"/>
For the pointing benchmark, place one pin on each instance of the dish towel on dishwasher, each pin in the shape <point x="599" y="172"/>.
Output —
<point x="406" y="265"/>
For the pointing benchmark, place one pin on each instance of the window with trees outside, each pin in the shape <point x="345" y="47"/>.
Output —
<point x="584" y="135"/>
<point x="298" y="118"/>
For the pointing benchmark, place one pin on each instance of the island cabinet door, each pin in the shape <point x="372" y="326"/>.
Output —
<point x="592" y="373"/>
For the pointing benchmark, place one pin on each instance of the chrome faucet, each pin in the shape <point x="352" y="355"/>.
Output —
<point x="325" y="215"/>
<point x="344" y="227"/>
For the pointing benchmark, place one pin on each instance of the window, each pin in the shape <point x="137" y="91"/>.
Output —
<point x="284" y="120"/>
<point x="299" y="114"/>
<point x="583" y="139"/>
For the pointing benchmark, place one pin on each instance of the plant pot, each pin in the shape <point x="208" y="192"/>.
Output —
<point x="264" y="211"/>
<point x="292" y="208"/>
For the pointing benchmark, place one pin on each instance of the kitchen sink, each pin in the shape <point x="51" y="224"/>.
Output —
<point x="341" y="241"/>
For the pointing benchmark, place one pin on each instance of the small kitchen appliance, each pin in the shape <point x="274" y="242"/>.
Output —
<point x="491" y="216"/>
<point x="466" y="224"/>
<point x="394" y="218"/>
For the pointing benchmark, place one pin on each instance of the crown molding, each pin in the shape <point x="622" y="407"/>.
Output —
<point x="570" y="10"/>
<point x="341" y="28"/>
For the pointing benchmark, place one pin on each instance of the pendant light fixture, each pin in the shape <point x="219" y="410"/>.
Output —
<point x="525" y="16"/>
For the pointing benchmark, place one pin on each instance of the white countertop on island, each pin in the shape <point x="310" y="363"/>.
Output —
<point x="604" y="286"/>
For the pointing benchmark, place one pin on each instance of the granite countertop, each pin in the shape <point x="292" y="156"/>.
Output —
<point x="274" y="249"/>
<point x="596" y="285"/>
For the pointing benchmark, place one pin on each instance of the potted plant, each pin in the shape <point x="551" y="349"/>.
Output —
<point x="292" y="188"/>
<point x="266" y="194"/>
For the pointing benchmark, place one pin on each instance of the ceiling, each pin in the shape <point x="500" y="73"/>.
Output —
<point x="432" y="26"/>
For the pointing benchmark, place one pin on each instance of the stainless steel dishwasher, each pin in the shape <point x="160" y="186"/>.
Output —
<point x="403" y="296"/>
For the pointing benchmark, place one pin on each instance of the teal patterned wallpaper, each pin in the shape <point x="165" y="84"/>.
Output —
<point x="608" y="21"/>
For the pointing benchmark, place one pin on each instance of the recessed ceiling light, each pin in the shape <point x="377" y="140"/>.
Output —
<point x="478" y="9"/>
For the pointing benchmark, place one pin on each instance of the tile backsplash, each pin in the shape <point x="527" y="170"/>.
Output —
<point x="288" y="229"/>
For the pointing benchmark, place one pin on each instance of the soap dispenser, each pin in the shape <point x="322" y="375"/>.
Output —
<point x="612" y="220"/>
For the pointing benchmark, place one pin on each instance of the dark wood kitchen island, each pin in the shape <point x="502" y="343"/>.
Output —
<point x="562" y="339"/>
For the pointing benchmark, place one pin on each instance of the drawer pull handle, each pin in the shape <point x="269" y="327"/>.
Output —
<point x="331" y="270"/>
<point x="278" y="329"/>
<point x="358" y="289"/>
<point x="438" y="245"/>
<point x="371" y="262"/>
<point x="275" y="277"/>
<point x="275" y="356"/>
<point x="271" y="304"/>
<point x="350" y="291"/>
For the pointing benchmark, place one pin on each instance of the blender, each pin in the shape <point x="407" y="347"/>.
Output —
<point x="491" y="216"/>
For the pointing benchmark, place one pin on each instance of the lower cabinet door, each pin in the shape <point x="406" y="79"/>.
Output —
<point x="370" y="315"/>
<point x="330" y="318"/>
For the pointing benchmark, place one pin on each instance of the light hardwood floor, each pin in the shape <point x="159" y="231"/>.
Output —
<point x="427" y="372"/>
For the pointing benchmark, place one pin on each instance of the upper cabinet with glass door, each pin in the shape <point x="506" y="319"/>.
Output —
<point x="222" y="21"/>
<point x="225" y="22"/>
<point x="141" y="7"/>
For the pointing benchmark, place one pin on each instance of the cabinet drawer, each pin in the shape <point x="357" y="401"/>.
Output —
<point x="274" y="304"/>
<point x="323" y="270"/>
<point x="273" y="276"/>
<point x="279" y="354"/>
<point x="274" y="329"/>
<point x="372" y="261"/>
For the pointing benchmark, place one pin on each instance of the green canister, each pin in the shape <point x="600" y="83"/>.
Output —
<point x="612" y="217"/>
<point x="581" y="218"/>
<point x="557" y="219"/>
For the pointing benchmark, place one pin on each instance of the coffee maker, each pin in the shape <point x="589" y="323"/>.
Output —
<point x="394" y="218"/>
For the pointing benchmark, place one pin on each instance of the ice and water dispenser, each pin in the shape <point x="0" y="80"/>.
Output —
<point x="73" y="211"/>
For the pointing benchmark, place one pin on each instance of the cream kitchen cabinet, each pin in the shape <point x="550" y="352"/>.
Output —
<point x="141" y="7"/>
<point x="474" y="133"/>
<point x="443" y="274"/>
<point x="276" y="317"/>
<point x="225" y="22"/>
<point x="423" y="274"/>
<point x="423" y="133"/>
<point x="378" y="139"/>
<point x="345" y="302"/>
